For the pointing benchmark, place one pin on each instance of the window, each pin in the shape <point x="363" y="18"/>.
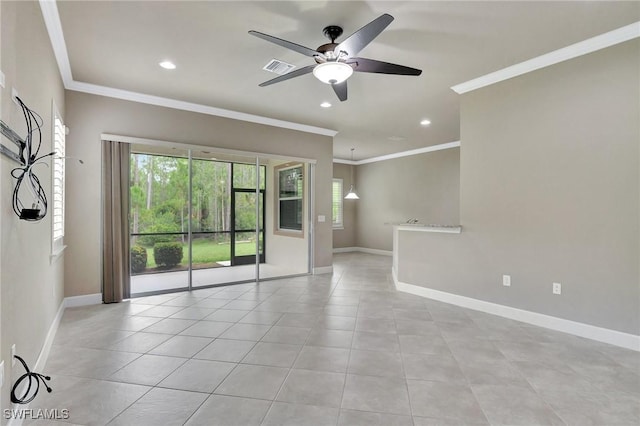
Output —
<point x="336" y="199"/>
<point x="290" y="193"/>
<point x="58" y="181"/>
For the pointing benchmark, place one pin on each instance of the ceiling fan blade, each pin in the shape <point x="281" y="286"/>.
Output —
<point x="371" y="65"/>
<point x="358" y="40"/>
<point x="289" y="75"/>
<point x="341" y="90"/>
<point x="287" y="44"/>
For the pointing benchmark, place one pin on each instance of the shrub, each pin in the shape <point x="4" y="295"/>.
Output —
<point x="138" y="259"/>
<point x="151" y="240"/>
<point x="167" y="255"/>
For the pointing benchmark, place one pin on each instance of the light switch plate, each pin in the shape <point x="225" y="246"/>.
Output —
<point x="322" y="218"/>
<point x="1" y="373"/>
<point x="1" y="79"/>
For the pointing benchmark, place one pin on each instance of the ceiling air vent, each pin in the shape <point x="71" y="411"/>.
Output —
<point x="278" y="67"/>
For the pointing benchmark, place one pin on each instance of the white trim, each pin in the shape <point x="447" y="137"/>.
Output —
<point x="67" y="302"/>
<point x="348" y="162"/>
<point x="323" y="270"/>
<point x="345" y="249"/>
<point x="193" y="107"/>
<point x="48" y="341"/>
<point x="54" y="28"/>
<point x="84" y="300"/>
<point x="363" y="250"/>
<point x="41" y="361"/>
<point x="600" y="334"/>
<point x="427" y="228"/>
<point x="584" y="47"/>
<point x="56" y="254"/>
<point x="417" y="151"/>
<point x="157" y="142"/>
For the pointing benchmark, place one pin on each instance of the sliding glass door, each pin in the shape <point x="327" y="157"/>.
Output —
<point x="203" y="218"/>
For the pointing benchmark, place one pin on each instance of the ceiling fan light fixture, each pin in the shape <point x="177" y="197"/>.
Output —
<point x="332" y="72"/>
<point x="167" y="65"/>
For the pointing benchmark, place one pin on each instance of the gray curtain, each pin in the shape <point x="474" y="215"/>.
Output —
<point x="115" y="222"/>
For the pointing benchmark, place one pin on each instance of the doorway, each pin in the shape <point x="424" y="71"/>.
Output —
<point x="243" y="220"/>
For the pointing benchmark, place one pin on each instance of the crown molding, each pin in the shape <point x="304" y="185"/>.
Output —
<point x="341" y="161"/>
<point x="424" y="150"/>
<point x="126" y="95"/>
<point x="54" y="28"/>
<point x="585" y="47"/>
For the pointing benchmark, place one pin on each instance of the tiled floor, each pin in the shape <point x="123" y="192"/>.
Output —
<point x="345" y="349"/>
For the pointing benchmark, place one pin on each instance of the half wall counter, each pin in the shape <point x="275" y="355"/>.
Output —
<point x="400" y="230"/>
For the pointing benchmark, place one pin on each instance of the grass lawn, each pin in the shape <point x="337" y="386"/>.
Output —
<point x="206" y="251"/>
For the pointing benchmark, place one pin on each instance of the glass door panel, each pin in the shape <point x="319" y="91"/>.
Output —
<point x="158" y="219"/>
<point x="215" y="218"/>
<point x="210" y="217"/>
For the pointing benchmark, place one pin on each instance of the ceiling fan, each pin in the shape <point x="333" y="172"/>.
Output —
<point x="335" y="62"/>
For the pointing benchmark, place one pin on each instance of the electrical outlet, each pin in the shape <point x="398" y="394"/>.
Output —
<point x="506" y="280"/>
<point x="557" y="288"/>
<point x="13" y="354"/>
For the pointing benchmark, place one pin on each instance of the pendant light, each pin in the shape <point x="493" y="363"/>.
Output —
<point x="351" y="195"/>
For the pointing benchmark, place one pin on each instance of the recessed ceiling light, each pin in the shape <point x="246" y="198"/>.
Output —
<point x="425" y="122"/>
<point x="325" y="105"/>
<point x="168" y="65"/>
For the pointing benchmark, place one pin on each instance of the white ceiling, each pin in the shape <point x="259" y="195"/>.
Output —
<point x="119" y="45"/>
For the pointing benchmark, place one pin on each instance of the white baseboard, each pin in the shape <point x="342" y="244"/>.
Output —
<point x="67" y="302"/>
<point x="323" y="270"/>
<point x="48" y="341"/>
<point x="84" y="300"/>
<point x="363" y="250"/>
<point x="344" y="249"/>
<point x="40" y="363"/>
<point x="612" y="337"/>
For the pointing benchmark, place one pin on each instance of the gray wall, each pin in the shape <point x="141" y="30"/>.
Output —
<point x="549" y="192"/>
<point x="345" y="237"/>
<point x="88" y="116"/>
<point x="31" y="286"/>
<point x="424" y="186"/>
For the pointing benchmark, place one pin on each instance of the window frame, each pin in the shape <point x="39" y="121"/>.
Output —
<point x="277" y="229"/>
<point x="337" y="224"/>
<point x="58" y="182"/>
